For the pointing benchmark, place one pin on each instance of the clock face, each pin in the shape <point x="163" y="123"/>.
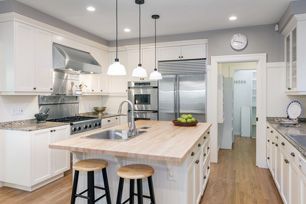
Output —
<point x="239" y="41"/>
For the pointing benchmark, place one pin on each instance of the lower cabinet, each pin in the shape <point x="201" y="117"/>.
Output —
<point x="30" y="163"/>
<point x="295" y="185"/>
<point x="198" y="170"/>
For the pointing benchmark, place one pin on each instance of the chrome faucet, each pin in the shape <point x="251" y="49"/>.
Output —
<point x="132" y="126"/>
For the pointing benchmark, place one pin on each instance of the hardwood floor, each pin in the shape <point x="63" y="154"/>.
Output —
<point x="235" y="180"/>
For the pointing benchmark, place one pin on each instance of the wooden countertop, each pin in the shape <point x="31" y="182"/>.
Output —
<point x="162" y="142"/>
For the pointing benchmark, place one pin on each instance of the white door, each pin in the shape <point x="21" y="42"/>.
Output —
<point x="43" y="61"/>
<point x="278" y="165"/>
<point x="197" y="178"/>
<point x="60" y="159"/>
<point x="193" y="51"/>
<point x="168" y="53"/>
<point x="24" y="58"/>
<point x="190" y="184"/>
<point x="40" y="153"/>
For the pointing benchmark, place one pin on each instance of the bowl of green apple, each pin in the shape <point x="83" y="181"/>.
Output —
<point x="186" y="120"/>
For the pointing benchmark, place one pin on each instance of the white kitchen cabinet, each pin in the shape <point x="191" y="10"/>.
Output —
<point x="148" y="59"/>
<point x="41" y="157"/>
<point x="197" y="178"/>
<point x="118" y="84"/>
<point x="60" y="159"/>
<point x="33" y="164"/>
<point x="295" y="184"/>
<point x="295" y="51"/>
<point x="28" y="64"/>
<point x="190" y="183"/>
<point x="303" y="189"/>
<point x="285" y="176"/>
<point x="110" y="122"/>
<point x="182" y="52"/>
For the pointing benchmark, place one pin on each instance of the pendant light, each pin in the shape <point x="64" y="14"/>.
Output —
<point x="155" y="75"/>
<point x="139" y="71"/>
<point x="116" y="69"/>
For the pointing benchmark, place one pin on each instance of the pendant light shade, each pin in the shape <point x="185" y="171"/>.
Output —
<point x="116" y="69"/>
<point x="155" y="75"/>
<point x="139" y="71"/>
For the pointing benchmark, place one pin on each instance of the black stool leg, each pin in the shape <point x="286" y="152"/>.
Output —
<point x="91" y="187"/>
<point x="120" y="188"/>
<point x="106" y="186"/>
<point x="151" y="189"/>
<point x="139" y="191"/>
<point x="75" y="186"/>
<point x="132" y="182"/>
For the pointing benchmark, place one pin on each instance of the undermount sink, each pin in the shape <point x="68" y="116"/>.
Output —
<point x="113" y="135"/>
<point x="300" y="139"/>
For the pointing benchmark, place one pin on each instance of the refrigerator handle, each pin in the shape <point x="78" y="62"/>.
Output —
<point x="178" y="100"/>
<point x="175" y="98"/>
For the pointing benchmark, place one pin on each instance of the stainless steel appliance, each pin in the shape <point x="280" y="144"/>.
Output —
<point x="72" y="60"/>
<point x="144" y="96"/>
<point x="67" y="84"/>
<point x="66" y="109"/>
<point x="182" y="89"/>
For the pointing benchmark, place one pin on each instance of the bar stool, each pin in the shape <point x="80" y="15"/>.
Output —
<point x="135" y="172"/>
<point x="90" y="166"/>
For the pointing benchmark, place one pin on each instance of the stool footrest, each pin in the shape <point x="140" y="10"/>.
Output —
<point x="135" y="194"/>
<point x="86" y="197"/>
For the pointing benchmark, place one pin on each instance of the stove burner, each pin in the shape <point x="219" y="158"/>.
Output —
<point x="79" y="124"/>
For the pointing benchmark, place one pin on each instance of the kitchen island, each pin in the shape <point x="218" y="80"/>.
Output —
<point x="180" y="157"/>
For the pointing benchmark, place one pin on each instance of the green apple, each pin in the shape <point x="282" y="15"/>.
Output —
<point x="189" y="120"/>
<point x="183" y="121"/>
<point x="184" y="116"/>
<point x="193" y="120"/>
<point x="190" y="116"/>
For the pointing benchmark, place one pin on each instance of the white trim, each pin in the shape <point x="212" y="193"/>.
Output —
<point x="276" y="65"/>
<point x="212" y="104"/>
<point x="162" y="44"/>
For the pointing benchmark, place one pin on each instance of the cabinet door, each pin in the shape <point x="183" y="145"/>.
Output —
<point x="278" y="166"/>
<point x="60" y="159"/>
<point x="43" y="61"/>
<point x="40" y="156"/>
<point x="149" y="59"/>
<point x="293" y="59"/>
<point x="288" y="61"/>
<point x="303" y="189"/>
<point x="193" y="51"/>
<point x="118" y="84"/>
<point x="168" y="53"/>
<point x="295" y="184"/>
<point x="190" y="184"/>
<point x="24" y="58"/>
<point x="285" y="182"/>
<point x="197" y="178"/>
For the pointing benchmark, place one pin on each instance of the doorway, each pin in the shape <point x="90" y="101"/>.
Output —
<point x="237" y="96"/>
<point x="213" y="102"/>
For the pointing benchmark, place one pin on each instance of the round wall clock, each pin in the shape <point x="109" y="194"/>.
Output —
<point x="239" y="41"/>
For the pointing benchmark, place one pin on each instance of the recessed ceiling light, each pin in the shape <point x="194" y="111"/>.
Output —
<point x="232" y="18"/>
<point x="127" y="30"/>
<point x="91" y="8"/>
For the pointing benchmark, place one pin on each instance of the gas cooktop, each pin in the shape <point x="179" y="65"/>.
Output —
<point x="79" y="123"/>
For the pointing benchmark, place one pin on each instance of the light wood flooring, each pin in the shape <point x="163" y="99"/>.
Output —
<point x="235" y="180"/>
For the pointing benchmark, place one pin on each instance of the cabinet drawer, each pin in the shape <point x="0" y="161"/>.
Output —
<point x="110" y="122"/>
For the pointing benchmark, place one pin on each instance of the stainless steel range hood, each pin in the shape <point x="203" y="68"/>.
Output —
<point x="71" y="60"/>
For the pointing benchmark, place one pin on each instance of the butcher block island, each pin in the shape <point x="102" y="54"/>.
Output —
<point x="180" y="157"/>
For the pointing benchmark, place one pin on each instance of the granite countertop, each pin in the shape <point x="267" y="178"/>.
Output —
<point x="29" y="125"/>
<point x="299" y="129"/>
<point x="161" y="141"/>
<point x="100" y="116"/>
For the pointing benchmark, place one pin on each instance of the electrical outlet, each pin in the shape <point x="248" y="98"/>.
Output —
<point x="17" y="111"/>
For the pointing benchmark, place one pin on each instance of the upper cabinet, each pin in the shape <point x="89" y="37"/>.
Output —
<point x="182" y="52"/>
<point x="27" y="66"/>
<point x="295" y="55"/>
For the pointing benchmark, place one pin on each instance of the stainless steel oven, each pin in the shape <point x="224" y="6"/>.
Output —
<point x="144" y="96"/>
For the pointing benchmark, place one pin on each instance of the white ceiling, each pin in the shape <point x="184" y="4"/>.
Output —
<point x="177" y="16"/>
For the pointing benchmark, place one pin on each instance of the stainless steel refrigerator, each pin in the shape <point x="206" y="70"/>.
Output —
<point x="182" y="89"/>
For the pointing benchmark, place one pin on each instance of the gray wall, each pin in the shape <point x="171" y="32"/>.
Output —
<point x="262" y="39"/>
<point x="14" y="6"/>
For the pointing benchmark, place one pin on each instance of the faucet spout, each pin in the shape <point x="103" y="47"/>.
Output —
<point x="132" y="126"/>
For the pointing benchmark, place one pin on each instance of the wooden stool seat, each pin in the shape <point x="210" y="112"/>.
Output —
<point x="135" y="171"/>
<point x="90" y="165"/>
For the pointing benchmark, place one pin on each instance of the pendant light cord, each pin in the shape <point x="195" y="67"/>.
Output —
<point x="155" y="47"/>
<point x="140" y="35"/>
<point x="116" y="31"/>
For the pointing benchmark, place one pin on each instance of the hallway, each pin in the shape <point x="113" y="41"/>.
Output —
<point x="236" y="180"/>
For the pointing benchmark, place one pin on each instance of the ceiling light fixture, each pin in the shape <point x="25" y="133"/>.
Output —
<point x="139" y="71"/>
<point x="232" y="18"/>
<point x="91" y="8"/>
<point x="116" y="69"/>
<point x="155" y="75"/>
<point x="127" y="30"/>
